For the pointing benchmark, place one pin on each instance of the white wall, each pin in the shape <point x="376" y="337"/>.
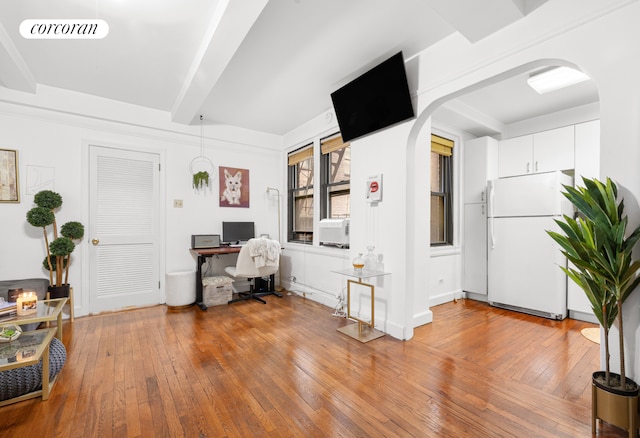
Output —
<point x="45" y="137"/>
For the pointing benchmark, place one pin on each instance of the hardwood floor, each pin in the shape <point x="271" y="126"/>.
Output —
<point x="282" y="369"/>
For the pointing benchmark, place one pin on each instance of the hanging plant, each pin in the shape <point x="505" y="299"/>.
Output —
<point x="200" y="179"/>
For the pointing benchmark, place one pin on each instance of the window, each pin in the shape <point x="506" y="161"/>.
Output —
<point x="441" y="191"/>
<point x="335" y="178"/>
<point x="300" y="196"/>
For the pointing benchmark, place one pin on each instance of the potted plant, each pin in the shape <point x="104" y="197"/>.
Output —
<point x="60" y="248"/>
<point x="600" y="249"/>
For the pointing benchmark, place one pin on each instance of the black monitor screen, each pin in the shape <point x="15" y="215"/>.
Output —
<point x="236" y="232"/>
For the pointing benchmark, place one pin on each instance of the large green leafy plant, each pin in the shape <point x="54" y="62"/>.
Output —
<point x="598" y="246"/>
<point x="61" y="247"/>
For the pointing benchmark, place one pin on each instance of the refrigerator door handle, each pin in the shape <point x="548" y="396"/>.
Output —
<point x="491" y="234"/>
<point x="490" y="198"/>
<point x="490" y="214"/>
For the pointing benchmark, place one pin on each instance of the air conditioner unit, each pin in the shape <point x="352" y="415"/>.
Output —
<point x="334" y="232"/>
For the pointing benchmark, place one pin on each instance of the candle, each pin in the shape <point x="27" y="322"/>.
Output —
<point x="27" y="303"/>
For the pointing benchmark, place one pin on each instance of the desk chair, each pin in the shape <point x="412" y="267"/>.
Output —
<point x="257" y="259"/>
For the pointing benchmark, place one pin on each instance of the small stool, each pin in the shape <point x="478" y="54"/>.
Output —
<point x="180" y="289"/>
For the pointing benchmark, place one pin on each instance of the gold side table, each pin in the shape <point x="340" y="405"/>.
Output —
<point x="363" y="331"/>
<point x="27" y="350"/>
<point x="48" y="310"/>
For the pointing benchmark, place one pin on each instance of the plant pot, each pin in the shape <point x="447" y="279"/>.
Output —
<point x="59" y="291"/>
<point x="613" y="405"/>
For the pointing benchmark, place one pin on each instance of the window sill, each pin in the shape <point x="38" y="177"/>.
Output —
<point x="313" y="249"/>
<point x="445" y="250"/>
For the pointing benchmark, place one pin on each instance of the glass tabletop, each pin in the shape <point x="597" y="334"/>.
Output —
<point x="47" y="311"/>
<point x="363" y="274"/>
<point x="26" y="349"/>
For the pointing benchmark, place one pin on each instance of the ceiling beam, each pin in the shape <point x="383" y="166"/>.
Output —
<point x="14" y="72"/>
<point x="476" y="20"/>
<point x="230" y="24"/>
<point x="474" y="117"/>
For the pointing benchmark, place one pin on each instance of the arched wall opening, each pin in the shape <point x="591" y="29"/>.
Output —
<point x="417" y="182"/>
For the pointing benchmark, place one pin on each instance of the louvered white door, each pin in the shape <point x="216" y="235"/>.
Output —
<point x="124" y="229"/>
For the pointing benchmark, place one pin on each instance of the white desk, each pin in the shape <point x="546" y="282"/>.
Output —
<point x="363" y="331"/>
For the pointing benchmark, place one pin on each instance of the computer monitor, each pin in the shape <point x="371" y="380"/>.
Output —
<point x="235" y="233"/>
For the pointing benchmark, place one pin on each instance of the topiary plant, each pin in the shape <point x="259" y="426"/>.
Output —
<point x="61" y="247"/>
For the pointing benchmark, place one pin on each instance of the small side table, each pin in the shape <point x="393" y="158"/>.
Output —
<point x="27" y="350"/>
<point x="363" y="331"/>
<point x="48" y="310"/>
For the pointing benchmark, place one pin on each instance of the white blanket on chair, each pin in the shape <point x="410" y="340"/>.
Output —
<point x="265" y="252"/>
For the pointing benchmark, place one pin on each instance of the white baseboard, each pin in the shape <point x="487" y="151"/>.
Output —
<point x="422" y="318"/>
<point x="581" y="316"/>
<point x="445" y="298"/>
<point x="477" y="297"/>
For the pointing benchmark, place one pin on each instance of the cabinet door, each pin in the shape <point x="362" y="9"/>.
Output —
<point x="553" y="149"/>
<point x="475" y="249"/>
<point x="515" y="156"/>
<point x="587" y="151"/>
<point x="577" y="301"/>
<point x="480" y="164"/>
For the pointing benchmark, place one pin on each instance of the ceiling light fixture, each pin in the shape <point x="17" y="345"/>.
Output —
<point x="555" y="78"/>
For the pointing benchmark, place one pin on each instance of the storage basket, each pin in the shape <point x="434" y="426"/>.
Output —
<point x="216" y="290"/>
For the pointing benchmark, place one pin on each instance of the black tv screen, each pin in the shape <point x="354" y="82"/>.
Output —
<point x="376" y="99"/>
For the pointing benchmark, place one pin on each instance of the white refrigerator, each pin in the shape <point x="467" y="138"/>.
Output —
<point x="523" y="261"/>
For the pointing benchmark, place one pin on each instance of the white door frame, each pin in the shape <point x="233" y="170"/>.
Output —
<point x="81" y="300"/>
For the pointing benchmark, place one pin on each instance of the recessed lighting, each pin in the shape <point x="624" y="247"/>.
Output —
<point x="556" y="78"/>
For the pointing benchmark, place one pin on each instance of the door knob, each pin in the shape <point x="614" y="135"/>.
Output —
<point x="95" y="241"/>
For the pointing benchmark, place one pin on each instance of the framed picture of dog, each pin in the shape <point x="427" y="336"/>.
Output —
<point x="234" y="187"/>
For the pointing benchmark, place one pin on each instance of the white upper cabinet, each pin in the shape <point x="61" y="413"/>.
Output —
<point x="540" y="152"/>
<point x="515" y="156"/>
<point x="480" y="165"/>
<point x="554" y="149"/>
<point x="587" y="151"/>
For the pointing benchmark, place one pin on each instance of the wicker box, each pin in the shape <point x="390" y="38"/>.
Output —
<point x="216" y="290"/>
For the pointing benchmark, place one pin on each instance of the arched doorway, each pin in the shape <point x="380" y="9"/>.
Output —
<point x="418" y="180"/>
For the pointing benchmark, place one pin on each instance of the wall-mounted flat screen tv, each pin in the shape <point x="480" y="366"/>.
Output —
<point x="376" y="99"/>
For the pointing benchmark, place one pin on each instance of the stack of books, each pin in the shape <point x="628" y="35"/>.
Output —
<point x="8" y="310"/>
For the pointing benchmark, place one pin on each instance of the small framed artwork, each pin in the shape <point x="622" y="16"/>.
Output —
<point x="234" y="187"/>
<point x="374" y="188"/>
<point x="9" y="190"/>
<point x="39" y="178"/>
